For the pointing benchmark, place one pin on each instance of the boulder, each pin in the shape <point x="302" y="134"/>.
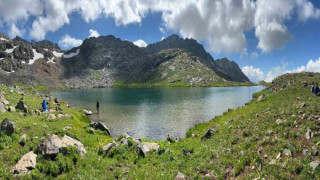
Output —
<point x="180" y="176"/>
<point x="171" y="139"/>
<point x="68" y="141"/>
<point x="306" y="152"/>
<point x="51" y="116"/>
<point x="23" y="139"/>
<point x="287" y="152"/>
<point x="88" y="113"/>
<point x="91" y="130"/>
<point x="314" y="165"/>
<point x="108" y="147"/>
<point x="11" y="109"/>
<point x="3" y="99"/>
<point x="146" y="147"/>
<point x="279" y="121"/>
<point x="2" y="108"/>
<point x="210" y="132"/>
<point x="60" y="116"/>
<point x="101" y="126"/>
<point x="315" y="151"/>
<point x="51" y="146"/>
<point x="7" y="126"/>
<point x="26" y="164"/>
<point x="309" y="134"/>
<point x="67" y="128"/>
<point x="262" y="97"/>
<point x="21" y="106"/>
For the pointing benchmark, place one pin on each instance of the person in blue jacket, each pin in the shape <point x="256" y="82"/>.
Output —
<point x="44" y="105"/>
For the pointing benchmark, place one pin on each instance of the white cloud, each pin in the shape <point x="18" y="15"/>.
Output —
<point x="68" y="42"/>
<point x="221" y="24"/>
<point x="254" y="74"/>
<point x="162" y="38"/>
<point x="140" y="43"/>
<point x="162" y="30"/>
<point x="15" y="31"/>
<point x="93" y="33"/>
<point x="312" y="66"/>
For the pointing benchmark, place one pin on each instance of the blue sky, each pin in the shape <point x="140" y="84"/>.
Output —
<point x="289" y="29"/>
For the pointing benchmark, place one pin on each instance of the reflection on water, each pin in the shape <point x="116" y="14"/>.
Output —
<point x="156" y="112"/>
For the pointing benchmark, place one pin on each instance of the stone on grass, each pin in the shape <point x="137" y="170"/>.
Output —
<point x="146" y="147"/>
<point x="171" y="139"/>
<point x="23" y="139"/>
<point x="3" y="100"/>
<point x="309" y="134"/>
<point x="60" y="116"/>
<point x="2" y="108"/>
<point x="315" y="151"/>
<point x="7" y="126"/>
<point x="108" y="147"/>
<point x="180" y="176"/>
<point x="51" y="146"/>
<point x="210" y="132"/>
<point x="287" y="152"/>
<point x="262" y="97"/>
<point x="51" y="116"/>
<point x="101" y="126"/>
<point x="91" y="130"/>
<point x="124" y="141"/>
<point x="67" y="128"/>
<point x="68" y="141"/>
<point x="279" y="121"/>
<point x="314" y="165"/>
<point x="11" y="109"/>
<point x="306" y="152"/>
<point x="26" y="164"/>
<point x="21" y="106"/>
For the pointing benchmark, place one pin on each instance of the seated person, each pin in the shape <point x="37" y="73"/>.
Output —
<point x="56" y="101"/>
<point x="316" y="89"/>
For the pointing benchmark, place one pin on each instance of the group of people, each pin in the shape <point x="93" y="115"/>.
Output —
<point x="315" y="89"/>
<point x="45" y="104"/>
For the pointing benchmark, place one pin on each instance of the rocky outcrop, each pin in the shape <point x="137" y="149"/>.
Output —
<point x="101" y="126"/>
<point x="51" y="146"/>
<point x="146" y="147"/>
<point x="68" y="141"/>
<point x="232" y="70"/>
<point x="7" y="126"/>
<point x="26" y="164"/>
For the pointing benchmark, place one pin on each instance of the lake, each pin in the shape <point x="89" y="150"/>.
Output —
<point x="154" y="113"/>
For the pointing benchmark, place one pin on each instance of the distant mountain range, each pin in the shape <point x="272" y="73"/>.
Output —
<point x="107" y="61"/>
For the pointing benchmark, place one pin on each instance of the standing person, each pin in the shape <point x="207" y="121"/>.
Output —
<point x="97" y="107"/>
<point x="44" y="106"/>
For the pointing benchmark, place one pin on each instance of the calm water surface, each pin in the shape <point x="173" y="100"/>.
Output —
<point x="156" y="112"/>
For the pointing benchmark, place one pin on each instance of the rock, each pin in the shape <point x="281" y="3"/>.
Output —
<point x="88" y="113"/>
<point x="180" y="176"/>
<point x="315" y="151"/>
<point x="124" y="141"/>
<point x="171" y="139"/>
<point x="7" y="126"/>
<point x="314" y="165"/>
<point x="146" y="147"/>
<point x="167" y="151"/>
<point x="309" y="134"/>
<point x="91" y="130"/>
<point x="3" y="100"/>
<point x="306" y="152"/>
<point x="58" y="109"/>
<point x="21" y="106"/>
<point x="278" y="156"/>
<point x="262" y="97"/>
<point x="68" y="141"/>
<point x="60" y="116"/>
<point x="303" y="105"/>
<point x="67" y="128"/>
<point x="2" y="108"/>
<point x="279" y="121"/>
<point x="51" y="146"/>
<point x="273" y="161"/>
<point x="11" y="109"/>
<point x="23" y="139"/>
<point x="108" y="147"/>
<point x="287" y="152"/>
<point x="101" y="126"/>
<point x="51" y="116"/>
<point x="209" y="133"/>
<point x="26" y="163"/>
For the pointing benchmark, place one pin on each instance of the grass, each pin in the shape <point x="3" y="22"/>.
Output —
<point x="248" y="138"/>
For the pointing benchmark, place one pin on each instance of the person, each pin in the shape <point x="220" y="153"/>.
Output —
<point x="312" y="87"/>
<point x="316" y="89"/>
<point x="98" y="107"/>
<point x="44" y="106"/>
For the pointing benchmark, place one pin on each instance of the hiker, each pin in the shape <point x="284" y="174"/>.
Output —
<point x="312" y="87"/>
<point x="97" y="107"/>
<point x="44" y="106"/>
<point x="56" y="101"/>
<point x="316" y="89"/>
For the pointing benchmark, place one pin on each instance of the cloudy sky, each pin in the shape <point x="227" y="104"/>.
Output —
<point x="265" y="37"/>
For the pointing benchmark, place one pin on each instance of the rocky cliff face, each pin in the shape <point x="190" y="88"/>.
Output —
<point x="232" y="69"/>
<point x="232" y="72"/>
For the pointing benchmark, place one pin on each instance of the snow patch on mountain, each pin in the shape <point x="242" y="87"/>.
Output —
<point x="36" y="56"/>
<point x="10" y="50"/>
<point x="57" y="54"/>
<point x="71" y="54"/>
<point x="3" y="39"/>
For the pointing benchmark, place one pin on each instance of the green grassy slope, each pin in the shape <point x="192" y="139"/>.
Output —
<point x="247" y="141"/>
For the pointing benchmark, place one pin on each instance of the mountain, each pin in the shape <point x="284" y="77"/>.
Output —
<point x="107" y="61"/>
<point x="232" y="69"/>
<point x="232" y="72"/>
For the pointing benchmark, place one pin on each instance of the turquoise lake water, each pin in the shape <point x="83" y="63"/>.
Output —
<point x="156" y="112"/>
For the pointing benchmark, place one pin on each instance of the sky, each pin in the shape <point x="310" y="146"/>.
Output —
<point x="265" y="37"/>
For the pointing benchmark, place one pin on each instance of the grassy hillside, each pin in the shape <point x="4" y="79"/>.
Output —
<point x="246" y="145"/>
